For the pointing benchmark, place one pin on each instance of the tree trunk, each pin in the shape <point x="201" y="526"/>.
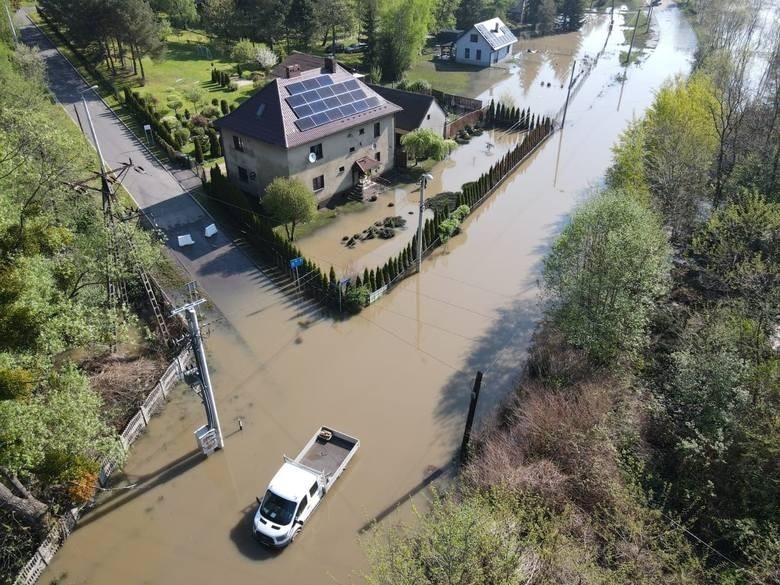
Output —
<point x="108" y="56"/>
<point x="29" y="509"/>
<point x="121" y="51"/>
<point x="132" y="54"/>
<point x="141" y="63"/>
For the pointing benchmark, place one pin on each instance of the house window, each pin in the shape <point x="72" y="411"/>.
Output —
<point x="242" y="174"/>
<point x="378" y="156"/>
<point x="467" y="53"/>
<point x="473" y="38"/>
<point x="318" y="183"/>
<point x="351" y="149"/>
<point x="479" y="54"/>
<point x="238" y="144"/>
<point x="341" y="170"/>
<point x="362" y="131"/>
<point x="377" y="129"/>
<point x="428" y="117"/>
<point x="252" y="176"/>
<point x="317" y="150"/>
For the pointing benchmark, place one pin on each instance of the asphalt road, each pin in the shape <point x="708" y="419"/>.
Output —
<point x="219" y="267"/>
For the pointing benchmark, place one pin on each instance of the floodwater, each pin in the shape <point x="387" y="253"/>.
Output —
<point x="465" y="163"/>
<point x="397" y="376"/>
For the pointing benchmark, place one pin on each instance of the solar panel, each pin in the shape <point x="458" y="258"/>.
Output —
<point x="358" y="94"/>
<point x="348" y="110"/>
<point x="305" y="124"/>
<point x="317" y="101"/>
<point x="311" y="96"/>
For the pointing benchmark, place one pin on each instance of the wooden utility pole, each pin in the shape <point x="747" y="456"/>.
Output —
<point x="631" y="46"/>
<point x="568" y="93"/>
<point x="464" y="447"/>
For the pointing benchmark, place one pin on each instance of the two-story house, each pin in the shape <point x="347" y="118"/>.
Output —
<point x="322" y="126"/>
<point x="484" y="44"/>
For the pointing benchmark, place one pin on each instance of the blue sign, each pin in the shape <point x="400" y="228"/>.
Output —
<point x="296" y="262"/>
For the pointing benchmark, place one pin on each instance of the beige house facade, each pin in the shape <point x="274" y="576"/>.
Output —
<point x="322" y="126"/>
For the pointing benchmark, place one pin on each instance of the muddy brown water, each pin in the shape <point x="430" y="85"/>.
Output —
<point x="397" y="376"/>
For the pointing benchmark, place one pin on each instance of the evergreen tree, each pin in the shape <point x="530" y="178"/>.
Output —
<point x="369" y="29"/>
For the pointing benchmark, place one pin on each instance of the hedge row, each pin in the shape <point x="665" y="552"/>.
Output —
<point x="501" y="115"/>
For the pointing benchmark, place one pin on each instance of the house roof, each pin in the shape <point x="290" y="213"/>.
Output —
<point x="305" y="61"/>
<point x="366" y="164"/>
<point x="496" y="39"/>
<point x="269" y="115"/>
<point x="414" y="106"/>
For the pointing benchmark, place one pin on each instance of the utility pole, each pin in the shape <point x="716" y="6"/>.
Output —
<point x="568" y="93"/>
<point x="631" y="46"/>
<point x="423" y="182"/>
<point x="11" y="24"/>
<point x="210" y="435"/>
<point x="649" y="14"/>
<point x="464" y="447"/>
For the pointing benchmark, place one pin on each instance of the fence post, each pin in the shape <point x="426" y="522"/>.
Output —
<point x="464" y="447"/>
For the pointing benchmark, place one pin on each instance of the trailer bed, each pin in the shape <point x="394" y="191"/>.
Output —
<point x="327" y="456"/>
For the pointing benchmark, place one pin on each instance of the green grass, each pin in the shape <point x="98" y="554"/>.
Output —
<point x="183" y="67"/>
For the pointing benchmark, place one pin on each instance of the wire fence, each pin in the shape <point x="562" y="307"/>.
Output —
<point x="64" y="525"/>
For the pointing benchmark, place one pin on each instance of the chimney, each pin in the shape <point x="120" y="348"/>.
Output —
<point x="495" y="29"/>
<point x="330" y="64"/>
<point x="293" y="71"/>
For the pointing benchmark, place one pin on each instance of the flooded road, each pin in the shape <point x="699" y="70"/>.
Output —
<point x="397" y="376"/>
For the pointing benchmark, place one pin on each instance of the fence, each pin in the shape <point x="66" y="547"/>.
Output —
<point x="65" y="524"/>
<point x="456" y="103"/>
<point x="451" y="129"/>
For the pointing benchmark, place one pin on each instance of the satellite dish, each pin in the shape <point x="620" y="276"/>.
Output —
<point x="312" y="157"/>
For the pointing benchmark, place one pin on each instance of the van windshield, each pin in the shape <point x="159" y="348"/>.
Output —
<point x="276" y="509"/>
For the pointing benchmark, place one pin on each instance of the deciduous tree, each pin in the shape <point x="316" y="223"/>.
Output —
<point x="289" y="202"/>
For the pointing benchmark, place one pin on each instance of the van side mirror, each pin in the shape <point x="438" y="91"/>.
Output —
<point x="258" y="501"/>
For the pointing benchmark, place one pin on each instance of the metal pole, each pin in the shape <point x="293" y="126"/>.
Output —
<point x="11" y="24"/>
<point x="568" y="93"/>
<point x="203" y="370"/>
<point x="631" y="46"/>
<point x="420" y="225"/>
<point x="649" y="14"/>
<point x="94" y="135"/>
<point x="464" y="447"/>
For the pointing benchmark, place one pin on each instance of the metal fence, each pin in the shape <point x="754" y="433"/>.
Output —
<point x="65" y="524"/>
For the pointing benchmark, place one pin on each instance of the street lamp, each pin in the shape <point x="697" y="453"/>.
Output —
<point x="92" y="129"/>
<point x="423" y="182"/>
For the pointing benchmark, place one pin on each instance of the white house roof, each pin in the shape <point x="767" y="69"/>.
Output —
<point x="496" y="33"/>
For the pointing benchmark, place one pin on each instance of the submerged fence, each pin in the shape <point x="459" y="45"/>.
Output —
<point x="64" y="525"/>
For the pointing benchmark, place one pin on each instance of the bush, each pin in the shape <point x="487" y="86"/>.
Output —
<point x="182" y="135"/>
<point x="356" y="298"/>
<point x="232" y="86"/>
<point x="419" y="86"/>
<point x="223" y="105"/>
<point x="246" y="76"/>
<point x="211" y="112"/>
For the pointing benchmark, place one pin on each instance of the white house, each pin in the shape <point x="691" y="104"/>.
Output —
<point x="485" y="44"/>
